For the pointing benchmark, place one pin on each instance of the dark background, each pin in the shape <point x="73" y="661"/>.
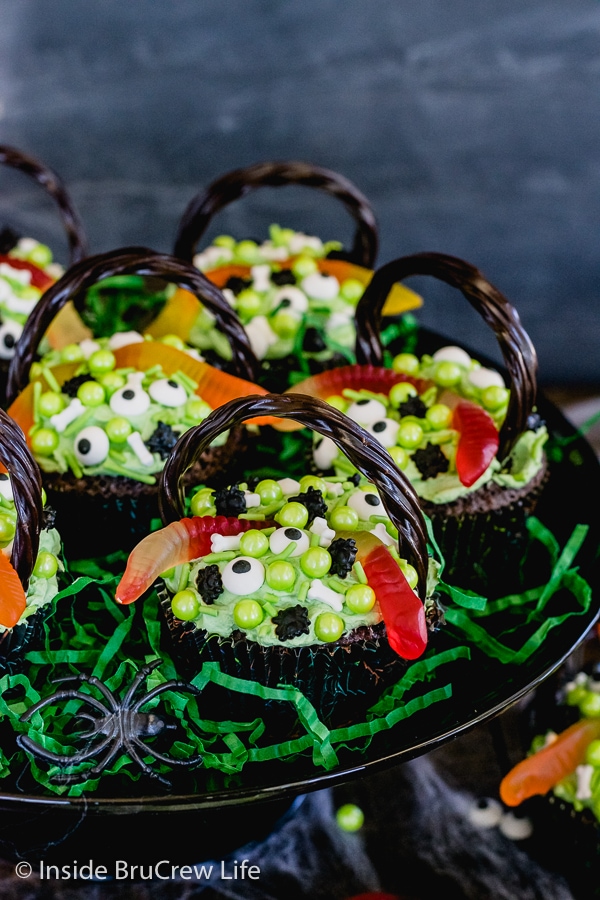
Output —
<point x="471" y="125"/>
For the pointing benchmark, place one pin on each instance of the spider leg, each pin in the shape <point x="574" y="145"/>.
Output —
<point x="161" y="688"/>
<point x="161" y="756"/>
<point x="146" y="769"/>
<point x="140" y="675"/>
<point x="26" y="743"/>
<point x="98" y="769"/>
<point x="64" y="695"/>
<point x="94" y="682"/>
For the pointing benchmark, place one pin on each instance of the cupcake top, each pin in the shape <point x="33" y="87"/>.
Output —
<point x="309" y="566"/>
<point x="294" y="293"/>
<point x="305" y="553"/>
<point x="566" y="764"/>
<point x="29" y="544"/>
<point x="439" y="417"/>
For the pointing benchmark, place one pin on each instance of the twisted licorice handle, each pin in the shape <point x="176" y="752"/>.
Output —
<point x="238" y="183"/>
<point x="55" y="187"/>
<point x="362" y="449"/>
<point x="26" y="483"/>
<point x="517" y="350"/>
<point x="127" y="261"/>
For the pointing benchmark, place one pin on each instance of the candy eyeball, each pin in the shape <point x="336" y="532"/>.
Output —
<point x="453" y="354"/>
<point x="366" y="411"/>
<point x="243" y="575"/>
<point x="167" y="392"/>
<point x="386" y="431"/>
<point x="290" y="297"/>
<point x="91" y="446"/>
<point x="325" y="452"/>
<point x="130" y="400"/>
<point x="321" y="287"/>
<point x="281" y="538"/>
<point x="483" y="378"/>
<point x="10" y="332"/>
<point x="366" y="504"/>
<point x="485" y="812"/>
<point x="5" y="486"/>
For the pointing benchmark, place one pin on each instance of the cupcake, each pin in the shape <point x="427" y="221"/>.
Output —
<point x="294" y="293"/>
<point x="329" y="608"/>
<point x="557" y="783"/>
<point x="26" y="266"/>
<point x="30" y="548"/>
<point x="102" y="425"/>
<point x="467" y="436"/>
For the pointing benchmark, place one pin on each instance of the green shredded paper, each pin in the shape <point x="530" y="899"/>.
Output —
<point x="88" y="633"/>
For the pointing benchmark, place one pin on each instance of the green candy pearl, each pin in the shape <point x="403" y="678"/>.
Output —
<point x="173" y="340"/>
<point x="590" y="705"/>
<point x="439" y="416"/>
<point x="201" y="502"/>
<point x="292" y="515"/>
<point x="254" y="543"/>
<point x="399" y="455"/>
<point x="592" y="753"/>
<point x="101" y="362"/>
<point x="315" y="562"/>
<point x="46" y="565"/>
<point x="71" y="353"/>
<point x="112" y="381"/>
<point x="247" y="251"/>
<point x="312" y="481"/>
<point x="280" y="575"/>
<point x="248" y="303"/>
<point x="409" y="435"/>
<point x="338" y="402"/>
<point x="268" y="490"/>
<point x="118" y="430"/>
<point x="285" y="324"/>
<point x="410" y="573"/>
<point x="303" y="266"/>
<point x="185" y="605"/>
<point x="248" y="613"/>
<point x="329" y="627"/>
<point x="350" y="817"/>
<point x="406" y="364"/>
<point x="343" y="518"/>
<point x="7" y="529"/>
<point x="360" y="598"/>
<point x="447" y="373"/>
<point x="401" y="392"/>
<point x="352" y="290"/>
<point x="197" y="409"/>
<point x="494" y="397"/>
<point x="91" y="394"/>
<point x="50" y="403"/>
<point x="44" y="441"/>
<point x="40" y="255"/>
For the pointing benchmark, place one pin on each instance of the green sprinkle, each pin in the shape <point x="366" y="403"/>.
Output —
<point x="185" y="381"/>
<point x="115" y="469"/>
<point x="209" y="610"/>
<point x="338" y="585"/>
<point x="77" y="424"/>
<point x="378" y="519"/>
<point x="221" y="556"/>
<point x="52" y="382"/>
<point x="303" y="591"/>
<point x="269" y="607"/>
<point x="37" y="393"/>
<point x="314" y="540"/>
<point x="359" y="572"/>
<point x="362" y="395"/>
<point x="184" y="575"/>
<point x="288" y="550"/>
<point x="73" y="464"/>
<point x="345" y="465"/>
<point x="259" y="517"/>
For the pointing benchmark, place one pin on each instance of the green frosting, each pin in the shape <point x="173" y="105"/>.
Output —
<point x="97" y="404"/>
<point x="217" y="617"/>
<point x="17" y="295"/>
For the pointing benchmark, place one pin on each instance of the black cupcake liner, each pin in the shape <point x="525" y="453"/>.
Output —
<point x="483" y="549"/>
<point x="342" y="680"/>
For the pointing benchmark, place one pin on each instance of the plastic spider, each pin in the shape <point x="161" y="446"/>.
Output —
<point x="119" y="720"/>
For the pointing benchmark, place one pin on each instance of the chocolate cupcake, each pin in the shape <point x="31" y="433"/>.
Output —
<point x="26" y="266"/>
<point x="294" y="294"/>
<point x="102" y="425"/>
<point x="327" y="608"/>
<point x="30" y="548"/>
<point x="467" y="437"/>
